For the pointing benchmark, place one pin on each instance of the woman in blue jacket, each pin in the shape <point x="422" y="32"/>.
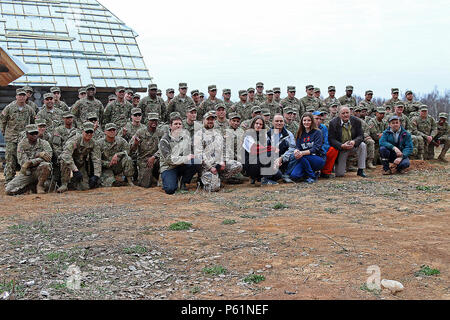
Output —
<point x="308" y="158"/>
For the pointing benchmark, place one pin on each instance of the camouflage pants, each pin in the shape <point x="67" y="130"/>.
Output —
<point x="10" y="161"/>
<point x="22" y="182"/>
<point x="418" y="147"/>
<point x="211" y="182"/>
<point x="370" y="149"/>
<point x="65" y="177"/>
<point x="147" y="177"/>
<point x="123" y="168"/>
<point x="428" y="153"/>
<point x="445" y="146"/>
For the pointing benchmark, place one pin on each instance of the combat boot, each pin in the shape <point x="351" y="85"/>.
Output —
<point x="370" y="164"/>
<point x="63" y="188"/>
<point x="130" y="182"/>
<point x="44" y="173"/>
<point x="441" y="158"/>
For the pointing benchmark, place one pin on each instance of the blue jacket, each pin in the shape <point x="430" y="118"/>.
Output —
<point x="404" y="142"/>
<point x="326" y="144"/>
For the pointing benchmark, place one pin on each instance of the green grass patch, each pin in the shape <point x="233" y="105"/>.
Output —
<point x="180" y="226"/>
<point x="17" y="227"/>
<point x="331" y="210"/>
<point x="13" y="288"/>
<point x="136" y="249"/>
<point x="229" y="221"/>
<point x="247" y="216"/>
<point x="428" y="188"/>
<point x="216" y="270"/>
<point x="254" y="278"/>
<point x="427" y="271"/>
<point x="195" y="290"/>
<point x="364" y="287"/>
<point x="57" y="256"/>
<point x="280" y="206"/>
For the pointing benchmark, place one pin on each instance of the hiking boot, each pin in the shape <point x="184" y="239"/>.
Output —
<point x="361" y="173"/>
<point x="130" y="182"/>
<point x="370" y="165"/>
<point x="63" y="188"/>
<point x="352" y="169"/>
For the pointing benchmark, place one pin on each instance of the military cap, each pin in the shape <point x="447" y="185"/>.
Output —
<point x="92" y="115"/>
<point x="265" y="112"/>
<point x="48" y="95"/>
<point x="28" y="88"/>
<point x="153" y="116"/>
<point x="201" y="94"/>
<point x="40" y="122"/>
<point x="408" y="92"/>
<point x="129" y="91"/>
<point x="334" y="104"/>
<point x="443" y="115"/>
<point x="316" y="89"/>
<point x="135" y="111"/>
<point x="159" y="92"/>
<point x="291" y="89"/>
<point x="369" y="92"/>
<point x="331" y="88"/>
<point x="20" y="91"/>
<point x="289" y="110"/>
<point x="110" y="126"/>
<point x="209" y="114"/>
<point x="212" y="87"/>
<point x="174" y="115"/>
<point x="423" y="107"/>
<point x="32" y="128"/>
<point x="193" y="92"/>
<point x="220" y="105"/>
<point x="183" y="85"/>
<point x="357" y="108"/>
<point x="243" y="92"/>
<point x="153" y="86"/>
<point x="381" y="110"/>
<point x="112" y="97"/>
<point x="399" y="104"/>
<point x="170" y="90"/>
<point x="394" y="117"/>
<point x="251" y="90"/>
<point x="256" y="109"/>
<point x="55" y="89"/>
<point x="349" y="88"/>
<point x="269" y="92"/>
<point x="82" y="90"/>
<point x="277" y="90"/>
<point x="189" y="109"/>
<point x="90" y="86"/>
<point x="362" y="107"/>
<point x="88" y="126"/>
<point x="260" y="84"/>
<point x="120" y="88"/>
<point x="310" y="109"/>
<point x="225" y="91"/>
<point x="234" y="115"/>
<point x="395" y="90"/>
<point x="310" y="86"/>
<point x="136" y="96"/>
<point x="68" y="114"/>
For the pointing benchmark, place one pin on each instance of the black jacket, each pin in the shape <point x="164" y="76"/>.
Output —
<point x="335" y="132"/>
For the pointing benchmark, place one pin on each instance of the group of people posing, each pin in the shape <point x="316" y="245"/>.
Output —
<point x="264" y="138"/>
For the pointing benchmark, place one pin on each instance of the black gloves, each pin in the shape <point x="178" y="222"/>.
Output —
<point x="93" y="182"/>
<point x="77" y="177"/>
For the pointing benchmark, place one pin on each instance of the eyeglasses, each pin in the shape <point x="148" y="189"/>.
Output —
<point x="137" y="115"/>
<point x="33" y="133"/>
<point x="48" y="99"/>
<point x="111" y="129"/>
<point x="89" y="132"/>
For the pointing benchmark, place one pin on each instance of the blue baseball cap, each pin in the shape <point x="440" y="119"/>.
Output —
<point x="317" y="113"/>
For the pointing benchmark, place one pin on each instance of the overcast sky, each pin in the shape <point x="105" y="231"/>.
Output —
<point x="374" y="45"/>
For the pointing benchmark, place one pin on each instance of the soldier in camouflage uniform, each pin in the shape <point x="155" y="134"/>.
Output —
<point x="277" y="95"/>
<point x="418" y="143"/>
<point x="424" y="126"/>
<point x="348" y="99"/>
<point x="116" y="162"/>
<point x="195" y="95"/>
<point x="51" y="115"/>
<point x="137" y="99"/>
<point x="241" y="107"/>
<point x="202" y="97"/>
<point x="392" y="102"/>
<point x="292" y="102"/>
<point x="130" y="129"/>
<point x="221" y="122"/>
<point x="310" y="101"/>
<point x="443" y="136"/>
<point x="145" y="144"/>
<point x="289" y="121"/>
<point x="129" y="95"/>
<point x="367" y="140"/>
<point x="87" y="105"/>
<point x="209" y="149"/>
<point x="333" y="107"/>
<point x="317" y="94"/>
<point x="189" y="123"/>
<point x="29" y="92"/>
<point x="236" y="134"/>
<point x="226" y="94"/>
<point x="270" y="104"/>
<point x="82" y="157"/>
<point x="368" y="103"/>
<point x="119" y="111"/>
<point x="265" y="113"/>
<point x="42" y="129"/>
<point x="377" y="126"/>
<point x="153" y="104"/>
<point x="61" y="105"/>
<point x="260" y="97"/>
<point x="170" y="93"/>
<point x="331" y="98"/>
<point x="210" y="103"/>
<point x="181" y="102"/>
<point x="34" y="156"/>
<point x="98" y="131"/>
<point x="251" y="101"/>
<point x="411" y="106"/>
<point x="13" y="120"/>
<point x="256" y="111"/>
<point x="159" y="93"/>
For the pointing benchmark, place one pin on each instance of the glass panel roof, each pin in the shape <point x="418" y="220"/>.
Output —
<point x="71" y="43"/>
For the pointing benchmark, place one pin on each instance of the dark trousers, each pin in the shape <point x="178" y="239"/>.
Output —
<point x="254" y="171"/>
<point x="307" y="166"/>
<point x="389" y="156"/>
<point x="170" y="177"/>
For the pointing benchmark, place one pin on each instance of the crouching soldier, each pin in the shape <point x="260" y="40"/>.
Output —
<point x="35" y="156"/>
<point x="116" y="164"/>
<point x="81" y="156"/>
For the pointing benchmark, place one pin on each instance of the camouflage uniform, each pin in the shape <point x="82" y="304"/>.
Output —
<point x="221" y="126"/>
<point x="412" y="108"/>
<point x="124" y="166"/>
<point x="350" y="102"/>
<point x="189" y="127"/>
<point x="260" y="98"/>
<point x="328" y="101"/>
<point x="206" y="106"/>
<point x="371" y="107"/>
<point x="423" y="128"/>
<point x="313" y="102"/>
<point x="180" y="105"/>
<point x="273" y="106"/>
<point x="292" y="127"/>
<point x="418" y="143"/>
<point x="375" y="128"/>
<point x="53" y="118"/>
<point x="443" y="135"/>
<point x="149" y="105"/>
<point x="369" y="142"/>
<point x="33" y="105"/>
<point x="117" y="113"/>
<point x="228" y="105"/>
<point x="209" y="147"/>
<point x="80" y="155"/>
<point x="391" y="103"/>
<point x="37" y="172"/>
<point x="131" y="130"/>
<point x="243" y="109"/>
<point x="12" y="122"/>
<point x="293" y="103"/>
<point x="234" y="139"/>
<point x="83" y="107"/>
<point x="61" y="105"/>
<point x="174" y="151"/>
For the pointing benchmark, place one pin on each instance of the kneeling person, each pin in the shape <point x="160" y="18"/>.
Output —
<point x="35" y="156"/>
<point x="116" y="163"/>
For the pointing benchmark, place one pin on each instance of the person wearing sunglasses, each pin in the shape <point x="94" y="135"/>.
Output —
<point x="52" y="116"/>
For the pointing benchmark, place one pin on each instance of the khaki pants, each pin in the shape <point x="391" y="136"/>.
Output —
<point x="361" y="153"/>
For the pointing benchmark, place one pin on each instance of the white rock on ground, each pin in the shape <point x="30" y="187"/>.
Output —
<point x="392" y="285"/>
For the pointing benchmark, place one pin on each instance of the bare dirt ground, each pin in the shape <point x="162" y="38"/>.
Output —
<point x="308" y="242"/>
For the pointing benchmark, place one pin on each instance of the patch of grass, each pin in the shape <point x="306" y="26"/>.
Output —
<point x="338" y="186"/>
<point x="17" y="227"/>
<point x="229" y="221"/>
<point x="254" y="278"/>
<point x="195" y="290"/>
<point x="136" y="249"/>
<point x="180" y="226"/>
<point x="13" y="288"/>
<point x="280" y="206"/>
<point x="58" y="286"/>
<point x="247" y="216"/>
<point x="57" y="256"/>
<point x="427" y="271"/>
<point x="364" y="287"/>
<point x="331" y="210"/>
<point x="216" y="270"/>
<point x="428" y="188"/>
